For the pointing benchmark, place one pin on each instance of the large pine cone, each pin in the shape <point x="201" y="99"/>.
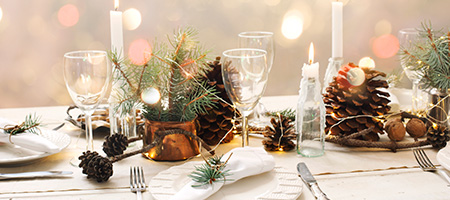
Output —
<point x="115" y="144"/>
<point x="282" y="128"/>
<point x="96" y="166"/>
<point x="217" y="121"/>
<point x="343" y="102"/>
<point x="439" y="136"/>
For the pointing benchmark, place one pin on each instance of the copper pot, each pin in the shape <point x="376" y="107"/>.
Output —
<point x="174" y="147"/>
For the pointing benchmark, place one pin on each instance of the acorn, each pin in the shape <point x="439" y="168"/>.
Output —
<point x="416" y="128"/>
<point x="395" y="129"/>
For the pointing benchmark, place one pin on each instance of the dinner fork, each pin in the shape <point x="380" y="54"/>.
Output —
<point x="137" y="181"/>
<point x="426" y="164"/>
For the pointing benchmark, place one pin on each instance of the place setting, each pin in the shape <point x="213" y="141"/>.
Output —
<point x="178" y="118"/>
<point x="22" y="147"/>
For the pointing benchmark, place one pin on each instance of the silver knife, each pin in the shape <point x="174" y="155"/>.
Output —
<point x="39" y="174"/>
<point x="310" y="181"/>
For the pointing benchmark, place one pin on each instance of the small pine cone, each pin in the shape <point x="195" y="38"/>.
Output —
<point x="438" y="136"/>
<point x="86" y="157"/>
<point x="115" y="144"/>
<point x="280" y="135"/>
<point x="96" y="166"/>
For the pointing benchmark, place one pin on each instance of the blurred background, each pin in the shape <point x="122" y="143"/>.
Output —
<point x="34" y="35"/>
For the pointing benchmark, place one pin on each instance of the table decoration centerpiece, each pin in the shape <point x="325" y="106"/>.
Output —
<point x="357" y="114"/>
<point x="169" y="83"/>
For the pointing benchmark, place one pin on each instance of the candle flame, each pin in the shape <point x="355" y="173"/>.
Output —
<point x="116" y="4"/>
<point x="311" y="53"/>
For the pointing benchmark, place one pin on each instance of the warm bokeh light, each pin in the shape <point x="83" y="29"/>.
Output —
<point x="272" y="2"/>
<point x="139" y="51"/>
<point x="383" y="27"/>
<point x="1" y="13"/>
<point x="292" y="26"/>
<point x="366" y="62"/>
<point x="68" y="15"/>
<point x="132" y="19"/>
<point x="385" y="46"/>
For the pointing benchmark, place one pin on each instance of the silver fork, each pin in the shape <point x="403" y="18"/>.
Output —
<point x="426" y="164"/>
<point x="137" y="181"/>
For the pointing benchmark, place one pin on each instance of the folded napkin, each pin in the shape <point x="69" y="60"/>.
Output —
<point x="244" y="162"/>
<point x="395" y="104"/>
<point x="27" y="140"/>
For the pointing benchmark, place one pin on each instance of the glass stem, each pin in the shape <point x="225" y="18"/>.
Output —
<point x="244" y="131"/>
<point x="415" y="97"/>
<point x="89" y="135"/>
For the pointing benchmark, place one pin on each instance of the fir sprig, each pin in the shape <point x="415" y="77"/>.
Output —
<point x="288" y="113"/>
<point x="174" y="69"/>
<point x="30" y="124"/>
<point x="213" y="170"/>
<point x="430" y="58"/>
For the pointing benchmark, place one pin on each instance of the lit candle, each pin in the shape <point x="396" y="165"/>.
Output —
<point x="311" y="69"/>
<point x="336" y="29"/>
<point x="116" y="30"/>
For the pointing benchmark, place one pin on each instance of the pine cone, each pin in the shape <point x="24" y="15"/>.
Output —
<point x="115" y="144"/>
<point x="217" y="121"/>
<point x="366" y="99"/>
<point x="439" y="136"/>
<point x="281" y="128"/>
<point x="96" y="166"/>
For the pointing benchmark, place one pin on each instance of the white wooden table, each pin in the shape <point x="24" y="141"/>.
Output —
<point x="342" y="173"/>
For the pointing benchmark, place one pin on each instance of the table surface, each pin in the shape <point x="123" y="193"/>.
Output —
<point x="342" y="173"/>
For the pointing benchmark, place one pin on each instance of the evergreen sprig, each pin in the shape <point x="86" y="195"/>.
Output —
<point x="30" y="124"/>
<point x="288" y="113"/>
<point x="213" y="170"/>
<point x="174" y="69"/>
<point x="430" y="58"/>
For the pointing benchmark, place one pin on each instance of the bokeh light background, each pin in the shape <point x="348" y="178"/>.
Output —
<point x="34" y="35"/>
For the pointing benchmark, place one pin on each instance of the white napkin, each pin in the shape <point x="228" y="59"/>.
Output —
<point x="27" y="140"/>
<point x="395" y="104"/>
<point x="244" y="162"/>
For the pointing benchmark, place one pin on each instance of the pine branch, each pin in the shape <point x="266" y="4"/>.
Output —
<point x="30" y="124"/>
<point x="430" y="57"/>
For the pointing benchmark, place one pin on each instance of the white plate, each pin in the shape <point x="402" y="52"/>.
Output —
<point x="443" y="157"/>
<point x="278" y="184"/>
<point x="11" y="155"/>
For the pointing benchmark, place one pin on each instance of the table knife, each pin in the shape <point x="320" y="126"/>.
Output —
<point x="310" y="181"/>
<point x="39" y="174"/>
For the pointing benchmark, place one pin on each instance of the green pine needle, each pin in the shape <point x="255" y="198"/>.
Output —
<point x="289" y="113"/>
<point x="175" y="70"/>
<point x="213" y="170"/>
<point x="30" y="124"/>
<point x="430" y="57"/>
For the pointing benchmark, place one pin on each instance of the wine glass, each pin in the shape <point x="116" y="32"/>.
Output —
<point x="87" y="75"/>
<point x="245" y="72"/>
<point x="409" y="39"/>
<point x="259" y="40"/>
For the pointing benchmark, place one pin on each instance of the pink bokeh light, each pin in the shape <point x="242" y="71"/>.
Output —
<point x="139" y="52"/>
<point x="385" y="46"/>
<point x="68" y="15"/>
